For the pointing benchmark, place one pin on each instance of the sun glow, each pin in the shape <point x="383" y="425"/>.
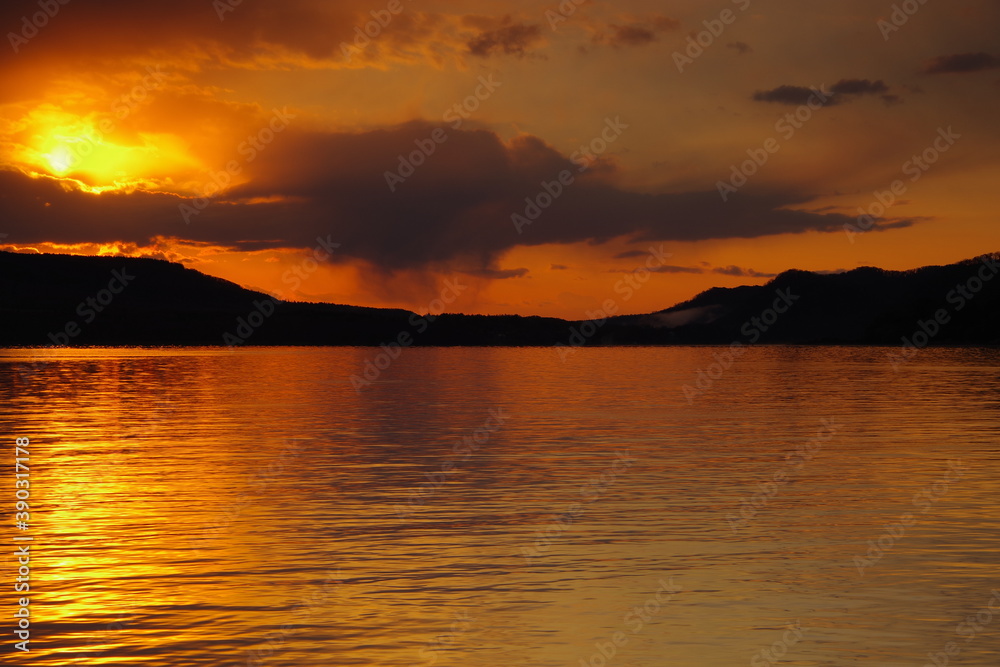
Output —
<point x="60" y="160"/>
<point x="94" y="154"/>
<point x="86" y="154"/>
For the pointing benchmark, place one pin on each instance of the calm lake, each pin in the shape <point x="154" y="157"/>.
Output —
<point x="493" y="507"/>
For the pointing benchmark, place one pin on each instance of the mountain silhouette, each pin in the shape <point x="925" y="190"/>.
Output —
<point x="52" y="300"/>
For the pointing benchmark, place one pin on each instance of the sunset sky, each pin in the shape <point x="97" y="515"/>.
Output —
<point x="231" y="136"/>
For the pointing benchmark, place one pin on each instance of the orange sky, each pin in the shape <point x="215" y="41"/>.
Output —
<point x="235" y="137"/>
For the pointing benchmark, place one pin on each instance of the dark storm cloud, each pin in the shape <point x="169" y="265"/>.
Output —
<point x="455" y="210"/>
<point x="260" y="34"/>
<point x="512" y="39"/>
<point x="859" y="87"/>
<point x="635" y="34"/>
<point x="961" y="63"/>
<point x="122" y="26"/>
<point x="669" y="268"/>
<point x="498" y="274"/>
<point x="790" y="95"/>
<point x="631" y="35"/>
<point x="741" y="272"/>
<point x="721" y="270"/>
<point x="841" y="91"/>
<point x="741" y="47"/>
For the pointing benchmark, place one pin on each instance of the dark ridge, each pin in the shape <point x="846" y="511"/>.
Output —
<point x="44" y="302"/>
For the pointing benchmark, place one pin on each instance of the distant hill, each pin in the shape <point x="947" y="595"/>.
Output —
<point x="44" y="301"/>
<point x="863" y="306"/>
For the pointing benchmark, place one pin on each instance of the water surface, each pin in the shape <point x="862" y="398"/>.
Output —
<point x="487" y="507"/>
